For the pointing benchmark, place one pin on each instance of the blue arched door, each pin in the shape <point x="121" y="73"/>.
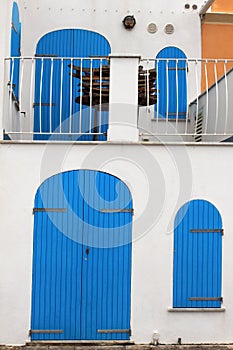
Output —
<point x="197" y="273"/>
<point x="81" y="282"/>
<point x="55" y="109"/>
<point x="15" y="49"/>
<point x="172" y="83"/>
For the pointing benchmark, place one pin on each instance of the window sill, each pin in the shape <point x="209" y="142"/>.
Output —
<point x="199" y="309"/>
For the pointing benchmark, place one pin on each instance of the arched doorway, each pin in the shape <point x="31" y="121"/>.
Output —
<point x="81" y="285"/>
<point x="197" y="275"/>
<point x="172" y="83"/>
<point x="56" y="113"/>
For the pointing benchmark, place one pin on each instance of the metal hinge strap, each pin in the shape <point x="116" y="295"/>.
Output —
<point x="128" y="331"/>
<point x="211" y="230"/>
<point x="117" y="211"/>
<point x="52" y="210"/>
<point x="44" y="104"/>
<point x="177" y="68"/>
<point x="177" y="113"/>
<point x="206" y="299"/>
<point x="14" y="27"/>
<point x="45" y="55"/>
<point x="45" y="331"/>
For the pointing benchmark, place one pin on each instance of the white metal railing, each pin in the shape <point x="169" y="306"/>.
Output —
<point x="194" y="101"/>
<point x="54" y="98"/>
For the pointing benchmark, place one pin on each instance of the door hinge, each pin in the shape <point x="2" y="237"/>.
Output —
<point x="45" y="55"/>
<point x="51" y="210"/>
<point x="177" y="113"/>
<point x="14" y="27"/>
<point x="176" y="69"/>
<point x="44" y="104"/>
<point x="117" y="211"/>
<point x="45" y="331"/>
<point x="128" y="331"/>
<point x="208" y="230"/>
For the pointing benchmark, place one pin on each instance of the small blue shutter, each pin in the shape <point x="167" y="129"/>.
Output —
<point x="172" y="83"/>
<point x="81" y="281"/>
<point x="197" y="256"/>
<point x="15" y="49"/>
<point x="65" y="43"/>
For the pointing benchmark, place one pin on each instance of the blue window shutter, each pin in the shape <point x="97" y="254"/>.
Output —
<point x="65" y="43"/>
<point x="197" y="256"/>
<point x="171" y="83"/>
<point x="15" y="48"/>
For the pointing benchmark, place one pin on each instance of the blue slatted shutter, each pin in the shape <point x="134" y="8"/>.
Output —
<point x="172" y="83"/>
<point x="15" y="49"/>
<point x="54" y="107"/>
<point x="197" y="256"/>
<point x="81" y="284"/>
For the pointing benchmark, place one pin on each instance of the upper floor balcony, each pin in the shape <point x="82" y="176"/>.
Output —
<point x="117" y="98"/>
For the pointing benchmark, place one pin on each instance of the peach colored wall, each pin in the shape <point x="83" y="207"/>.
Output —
<point x="216" y="44"/>
<point x="222" y="6"/>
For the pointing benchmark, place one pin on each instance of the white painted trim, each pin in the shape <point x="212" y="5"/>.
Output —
<point x="171" y="309"/>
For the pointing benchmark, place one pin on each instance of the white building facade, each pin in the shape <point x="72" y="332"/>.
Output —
<point x="116" y="182"/>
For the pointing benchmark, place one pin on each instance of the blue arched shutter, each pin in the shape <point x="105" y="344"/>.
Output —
<point x="172" y="83"/>
<point x="15" y="49"/>
<point x="197" y="256"/>
<point x="53" y="109"/>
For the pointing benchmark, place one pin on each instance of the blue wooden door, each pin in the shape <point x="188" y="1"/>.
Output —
<point x="172" y="83"/>
<point x="15" y="49"/>
<point x="55" y="110"/>
<point x="81" y="283"/>
<point x="197" y="256"/>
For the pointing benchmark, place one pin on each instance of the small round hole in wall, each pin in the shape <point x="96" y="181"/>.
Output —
<point x="169" y="28"/>
<point x="186" y="6"/>
<point x="152" y="28"/>
<point x="194" y="7"/>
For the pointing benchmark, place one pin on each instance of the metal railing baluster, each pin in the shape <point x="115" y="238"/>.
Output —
<point x="227" y="96"/>
<point x="40" y="98"/>
<point x="217" y="103"/>
<point x="207" y="96"/>
<point x="71" y="100"/>
<point x="91" y="91"/>
<point x="51" y="95"/>
<point x="61" y="95"/>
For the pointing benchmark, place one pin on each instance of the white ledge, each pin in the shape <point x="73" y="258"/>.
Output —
<point x="196" y="309"/>
<point x="124" y="55"/>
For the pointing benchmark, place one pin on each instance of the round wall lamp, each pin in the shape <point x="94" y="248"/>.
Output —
<point x="129" y="22"/>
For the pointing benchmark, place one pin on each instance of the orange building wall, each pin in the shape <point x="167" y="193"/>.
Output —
<point x="217" y="43"/>
<point x="222" y="6"/>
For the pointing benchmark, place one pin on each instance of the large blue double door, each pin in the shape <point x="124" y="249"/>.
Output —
<point x="81" y="282"/>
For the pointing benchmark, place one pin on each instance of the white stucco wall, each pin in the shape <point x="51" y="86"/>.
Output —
<point x="106" y="18"/>
<point x="161" y="179"/>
